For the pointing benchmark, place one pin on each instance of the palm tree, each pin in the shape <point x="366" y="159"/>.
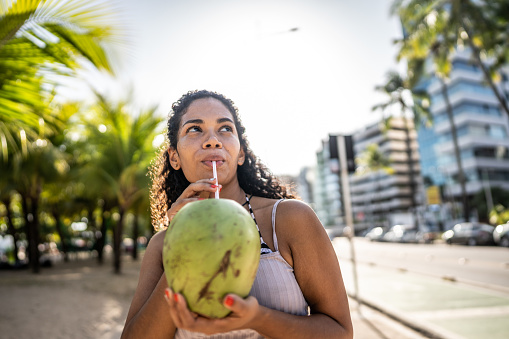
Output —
<point x="373" y="161"/>
<point x="401" y="93"/>
<point x="44" y="164"/>
<point x="39" y="41"/>
<point x="141" y="210"/>
<point x="426" y="24"/>
<point x="122" y="152"/>
<point x="442" y="26"/>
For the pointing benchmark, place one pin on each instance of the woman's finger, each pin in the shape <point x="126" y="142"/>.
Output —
<point x="198" y="187"/>
<point x="174" y="314"/>
<point x="187" y="318"/>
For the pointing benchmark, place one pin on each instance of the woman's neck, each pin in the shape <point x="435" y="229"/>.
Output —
<point x="233" y="192"/>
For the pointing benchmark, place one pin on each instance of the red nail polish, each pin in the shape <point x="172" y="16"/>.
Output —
<point x="176" y="297"/>
<point x="214" y="186"/>
<point x="167" y="293"/>
<point x="228" y="301"/>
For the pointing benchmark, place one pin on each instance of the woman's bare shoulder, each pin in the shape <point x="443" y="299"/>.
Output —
<point x="297" y="219"/>
<point x="294" y="210"/>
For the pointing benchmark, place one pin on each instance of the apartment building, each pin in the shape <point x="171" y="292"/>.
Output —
<point x="326" y="189"/>
<point x="482" y="131"/>
<point x="383" y="197"/>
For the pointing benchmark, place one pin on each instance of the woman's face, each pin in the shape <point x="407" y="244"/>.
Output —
<point x="207" y="133"/>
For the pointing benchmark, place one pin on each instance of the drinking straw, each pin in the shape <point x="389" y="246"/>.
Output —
<point x="214" y="171"/>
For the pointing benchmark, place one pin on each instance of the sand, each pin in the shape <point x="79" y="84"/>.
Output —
<point x="77" y="299"/>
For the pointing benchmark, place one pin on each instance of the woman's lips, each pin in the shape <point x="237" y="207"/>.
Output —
<point x="209" y="162"/>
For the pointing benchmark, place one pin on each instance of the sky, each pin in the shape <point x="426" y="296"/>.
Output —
<point x="297" y="70"/>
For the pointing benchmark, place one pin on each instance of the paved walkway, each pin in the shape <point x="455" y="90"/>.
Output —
<point x="437" y="307"/>
<point x="82" y="300"/>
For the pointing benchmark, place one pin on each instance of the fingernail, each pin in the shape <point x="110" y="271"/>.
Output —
<point x="176" y="297"/>
<point x="228" y="301"/>
<point x="220" y="188"/>
<point x="201" y="198"/>
<point x="167" y="294"/>
<point x="214" y="186"/>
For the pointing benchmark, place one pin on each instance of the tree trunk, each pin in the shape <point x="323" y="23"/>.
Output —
<point x="11" y="229"/>
<point x="413" y="189"/>
<point x="35" y="213"/>
<point x="117" y="239"/>
<point x="33" y="230"/>
<point x="101" y="239"/>
<point x="136" y="234"/>
<point x="461" y="174"/>
<point x="31" y="233"/>
<point x="63" y="237"/>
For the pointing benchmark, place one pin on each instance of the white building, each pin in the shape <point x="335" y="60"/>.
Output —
<point x="378" y="196"/>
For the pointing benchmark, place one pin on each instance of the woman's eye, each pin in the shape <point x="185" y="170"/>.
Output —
<point x="193" y="129"/>
<point x="226" y="129"/>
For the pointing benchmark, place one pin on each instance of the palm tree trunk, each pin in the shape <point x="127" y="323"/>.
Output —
<point x="11" y="229"/>
<point x="33" y="230"/>
<point x="35" y="213"/>
<point x="413" y="189"/>
<point x="63" y="238"/>
<point x="101" y="239"/>
<point x="117" y="239"/>
<point x="376" y="197"/>
<point x="31" y="233"/>
<point x="136" y="234"/>
<point x="461" y="174"/>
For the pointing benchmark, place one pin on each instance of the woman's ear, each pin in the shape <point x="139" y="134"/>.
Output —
<point x="174" y="158"/>
<point x="242" y="157"/>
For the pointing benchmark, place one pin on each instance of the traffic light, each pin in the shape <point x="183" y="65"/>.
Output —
<point x="335" y="150"/>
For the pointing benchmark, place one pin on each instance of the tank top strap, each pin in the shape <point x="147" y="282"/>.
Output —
<point x="274" y="237"/>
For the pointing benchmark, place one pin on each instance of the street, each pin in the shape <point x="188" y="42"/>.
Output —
<point x="486" y="266"/>
<point x="448" y="291"/>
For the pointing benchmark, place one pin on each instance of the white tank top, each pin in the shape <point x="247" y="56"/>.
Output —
<point x="274" y="287"/>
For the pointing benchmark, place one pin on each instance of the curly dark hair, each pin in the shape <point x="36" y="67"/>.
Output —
<point x="168" y="184"/>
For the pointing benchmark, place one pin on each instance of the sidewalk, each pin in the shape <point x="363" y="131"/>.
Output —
<point x="435" y="307"/>
<point x="368" y="323"/>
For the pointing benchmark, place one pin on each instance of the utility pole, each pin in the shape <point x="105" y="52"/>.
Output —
<point x="341" y="148"/>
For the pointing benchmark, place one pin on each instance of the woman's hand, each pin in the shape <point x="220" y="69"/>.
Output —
<point x="243" y="312"/>
<point x="202" y="189"/>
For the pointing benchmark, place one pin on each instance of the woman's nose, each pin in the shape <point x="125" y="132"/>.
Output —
<point x="212" y="142"/>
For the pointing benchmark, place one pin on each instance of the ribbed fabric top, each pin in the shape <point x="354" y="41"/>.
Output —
<point x="274" y="287"/>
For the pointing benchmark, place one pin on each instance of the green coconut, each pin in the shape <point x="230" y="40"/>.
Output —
<point x="211" y="248"/>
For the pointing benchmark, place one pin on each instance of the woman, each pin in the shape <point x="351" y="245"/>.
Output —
<point x="298" y="291"/>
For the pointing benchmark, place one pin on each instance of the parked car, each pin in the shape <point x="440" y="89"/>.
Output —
<point x="470" y="233"/>
<point x="501" y="235"/>
<point x="376" y="233"/>
<point x="401" y="233"/>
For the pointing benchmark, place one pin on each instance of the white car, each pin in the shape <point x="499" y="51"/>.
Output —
<point x="501" y="235"/>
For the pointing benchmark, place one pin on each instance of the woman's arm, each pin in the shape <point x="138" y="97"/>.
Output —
<point x="148" y="315"/>
<point x="304" y="243"/>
